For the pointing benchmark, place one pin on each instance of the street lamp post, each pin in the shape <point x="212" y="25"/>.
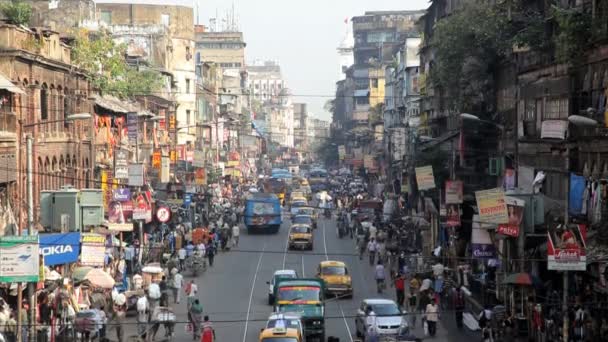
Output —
<point x="30" y="220"/>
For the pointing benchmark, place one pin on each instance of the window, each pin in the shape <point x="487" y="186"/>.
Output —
<point x="374" y="82"/>
<point x="556" y="108"/>
<point x="187" y="85"/>
<point x="188" y="113"/>
<point x="257" y="86"/>
<point x="106" y="17"/>
<point x="164" y="19"/>
<point x="44" y="104"/>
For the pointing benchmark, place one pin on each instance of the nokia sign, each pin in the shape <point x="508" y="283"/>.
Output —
<point x="59" y="248"/>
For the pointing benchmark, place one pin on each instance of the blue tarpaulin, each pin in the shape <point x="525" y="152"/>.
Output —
<point x="577" y="188"/>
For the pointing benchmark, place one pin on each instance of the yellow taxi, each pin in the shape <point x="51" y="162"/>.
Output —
<point x="298" y="196"/>
<point x="300" y="236"/>
<point x="280" y="334"/>
<point x="336" y="277"/>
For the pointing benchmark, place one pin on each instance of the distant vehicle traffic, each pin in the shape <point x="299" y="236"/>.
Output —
<point x="305" y="297"/>
<point x="263" y="212"/>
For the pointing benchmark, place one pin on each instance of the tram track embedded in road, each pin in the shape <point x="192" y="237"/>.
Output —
<point x="255" y="277"/>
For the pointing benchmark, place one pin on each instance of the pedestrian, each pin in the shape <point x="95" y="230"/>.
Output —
<point x="120" y="314"/>
<point x="181" y="254"/>
<point x="191" y="289"/>
<point x="154" y="294"/>
<point x="399" y="285"/>
<point x="412" y="302"/>
<point x="459" y="304"/>
<point x="211" y="253"/>
<point x="484" y="320"/>
<point x="103" y="318"/>
<point x="236" y="232"/>
<point x="380" y="276"/>
<point x="164" y="292"/>
<point x="195" y="312"/>
<point x="372" y="248"/>
<point x="208" y="333"/>
<point x="432" y="316"/>
<point x="178" y="282"/>
<point x="143" y="308"/>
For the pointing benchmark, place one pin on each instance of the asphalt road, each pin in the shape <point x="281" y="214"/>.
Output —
<point x="234" y="292"/>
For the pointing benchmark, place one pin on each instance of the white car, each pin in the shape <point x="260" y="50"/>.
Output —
<point x="278" y="275"/>
<point x="384" y="313"/>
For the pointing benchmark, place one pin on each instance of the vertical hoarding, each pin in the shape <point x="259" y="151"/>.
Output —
<point x="121" y="164"/>
<point x="566" y="248"/>
<point x="19" y="256"/>
<point x="136" y="175"/>
<point x="492" y="206"/>
<point x="132" y="128"/>
<point x="93" y="250"/>
<point x="515" y="209"/>
<point x="453" y="192"/>
<point x="481" y="243"/>
<point x="165" y="170"/>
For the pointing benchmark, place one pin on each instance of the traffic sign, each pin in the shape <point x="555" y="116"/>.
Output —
<point x="163" y="214"/>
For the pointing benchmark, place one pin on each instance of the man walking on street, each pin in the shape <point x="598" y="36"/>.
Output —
<point x="372" y="248"/>
<point x="211" y="253"/>
<point x="459" y="303"/>
<point x="236" y="232"/>
<point x="181" y="254"/>
<point x="178" y="282"/>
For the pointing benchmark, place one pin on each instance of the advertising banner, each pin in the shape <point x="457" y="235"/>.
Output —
<point x="566" y="248"/>
<point x="132" y="127"/>
<point x="553" y="129"/>
<point x="491" y="205"/>
<point x="425" y="178"/>
<point x="481" y="243"/>
<point x="201" y="177"/>
<point x="165" y="170"/>
<point x="452" y="215"/>
<point x="142" y="209"/>
<point x="93" y="250"/>
<point x="121" y="194"/>
<point x="136" y="175"/>
<point x="172" y="122"/>
<point x="199" y="159"/>
<point x="515" y="208"/>
<point x="105" y="189"/>
<point x="20" y="259"/>
<point x="120" y="227"/>
<point x="121" y="164"/>
<point x="453" y="192"/>
<point x="342" y="152"/>
<point x="58" y="249"/>
<point x="156" y="157"/>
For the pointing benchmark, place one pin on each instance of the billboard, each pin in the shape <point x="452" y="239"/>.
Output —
<point x="515" y="209"/>
<point x="58" y="249"/>
<point x="19" y="255"/>
<point x="93" y="250"/>
<point x="453" y="192"/>
<point x="425" y="178"/>
<point x="492" y="206"/>
<point x="566" y="248"/>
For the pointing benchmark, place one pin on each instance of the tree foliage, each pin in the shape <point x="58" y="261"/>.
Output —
<point x="108" y="71"/>
<point x="574" y="32"/>
<point x="17" y="12"/>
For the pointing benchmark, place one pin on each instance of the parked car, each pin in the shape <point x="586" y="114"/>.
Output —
<point x="389" y="319"/>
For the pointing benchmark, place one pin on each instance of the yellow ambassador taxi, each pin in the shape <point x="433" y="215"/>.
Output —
<point x="280" y="335"/>
<point x="300" y="236"/>
<point x="336" y="277"/>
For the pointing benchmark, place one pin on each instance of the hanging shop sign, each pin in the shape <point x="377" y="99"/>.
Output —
<point x="105" y="189"/>
<point x="481" y="243"/>
<point x="199" y="159"/>
<point x="172" y="122"/>
<point x="452" y="215"/>
<point x="492" y="206"/>
<point x="515" y="208"/>
<point x="132" y="127"/>
<point x="58" y="249"/>
<point x="93" y="250"/>
<point x="173" y="156"/>
<point x="136" y="175"/>
<point x="156" y="159"/>
<point x="121" y="164"/>
<point x="425" y="178"/>
<point x="554" y="129"/>
<point x="453" y="192"/>
<point x="121" y="194"/>
<point x="566" y="249"/>
<point x="141" y="208"/>
<point x="19" y="259"/>
<point x="201" y="177"/>
<point x="163" y="214"/>
<point x="165" y="170"/>
<point x="120" y="227"/>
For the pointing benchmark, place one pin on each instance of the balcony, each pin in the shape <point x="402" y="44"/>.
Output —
<point x="8" y="126"/>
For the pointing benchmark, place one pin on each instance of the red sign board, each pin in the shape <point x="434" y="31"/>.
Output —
<point x="508" y="230"/>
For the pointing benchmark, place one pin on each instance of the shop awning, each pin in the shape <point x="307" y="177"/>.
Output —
<point x="115" y="105"/>
<point x="6" y="84"/>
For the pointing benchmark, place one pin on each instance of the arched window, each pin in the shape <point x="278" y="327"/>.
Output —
<point x="54" y="173"/>
<point x="44" y="102"/>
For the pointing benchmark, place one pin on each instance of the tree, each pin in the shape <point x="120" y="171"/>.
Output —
<point x="17" y="12"/>
<point x="107" y="69"/>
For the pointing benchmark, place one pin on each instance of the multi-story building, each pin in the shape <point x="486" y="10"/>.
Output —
<point x="225" y="48"/>
<point x="40" y="88"/>
<point x="300" y="127"/>
<point x="279" y="117"/>
<point x="135" y="22"/>
<point x="265" y="80"/>
<point x="346" y="57"/>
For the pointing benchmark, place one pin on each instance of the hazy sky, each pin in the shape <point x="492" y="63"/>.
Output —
<point x="302" y="35"/>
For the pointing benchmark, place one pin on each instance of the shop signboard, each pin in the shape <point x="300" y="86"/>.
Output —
<point x="199" y="159"/>
<point x="132" y="128"/>
<point x="425" y="178"/>
<point x="201" y="177"/>
<point x="121" y="164"/>
<point x="93" y="250"/>
<point x="187" y="200"/>
<point x="515" y="208"/>
<point x="172" y="122"/>
<point x="492" y="206"/>
<point x="121" y="194"/>
<point x="481" y="243"/>
<point x="19" y="259"/>
<point x="142" y="209"/>
<point x="173" y="156"/>
<point x="136" y="175"/>
<point x="59" y="249"/>
<point x="165" y="170"/>
<point x="566" y="249"/>
<point x="453" y="192"/>
<point x="120" y="227"/>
